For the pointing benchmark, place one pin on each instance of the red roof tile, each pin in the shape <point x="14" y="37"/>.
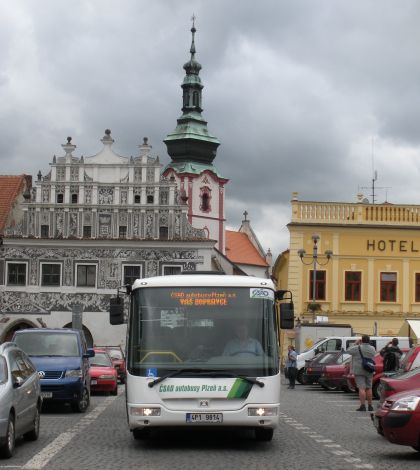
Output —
<point x="240" y="250"/>
<point x="10" y="187"/>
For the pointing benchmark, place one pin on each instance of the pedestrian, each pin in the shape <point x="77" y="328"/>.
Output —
<point x="392" y="355"/>
<point x="291" y="364"/>
<point x="363" y="378"/>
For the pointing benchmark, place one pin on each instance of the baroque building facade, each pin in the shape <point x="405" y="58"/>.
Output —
<point x="92" y="224"/>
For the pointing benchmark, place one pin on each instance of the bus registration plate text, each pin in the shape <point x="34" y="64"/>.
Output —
<point x="204" y="418"/>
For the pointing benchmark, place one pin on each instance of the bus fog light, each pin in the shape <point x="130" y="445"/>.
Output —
<point x="141" y="411"/>
<point x="262" y="411"/>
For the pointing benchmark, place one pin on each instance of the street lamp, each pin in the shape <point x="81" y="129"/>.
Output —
<point x="315" y="261"/>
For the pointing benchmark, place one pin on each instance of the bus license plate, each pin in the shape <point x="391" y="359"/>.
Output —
<point x="204" y="418"/>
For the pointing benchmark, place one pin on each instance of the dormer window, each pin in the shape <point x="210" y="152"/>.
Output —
<point x="60" y="198"/>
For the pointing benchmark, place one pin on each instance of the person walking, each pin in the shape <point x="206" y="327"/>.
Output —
<point x="392" y="355"/>
<point x="362" y="377"/>
<point x="291" y="365"/>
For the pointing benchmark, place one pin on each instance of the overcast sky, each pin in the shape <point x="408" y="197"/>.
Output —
<point x="304" y="95"/>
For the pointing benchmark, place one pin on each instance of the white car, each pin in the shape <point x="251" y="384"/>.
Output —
<point x="20" y="398"/>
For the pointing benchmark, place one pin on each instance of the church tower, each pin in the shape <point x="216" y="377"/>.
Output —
<point x="192" y="150"/>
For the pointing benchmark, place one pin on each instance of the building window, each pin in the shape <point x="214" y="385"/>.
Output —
<point x="87" y="231"/>
<point x="131" y="273"/>
<point x="74" y="198"/>
<point x="60" y="198"/>
<point x="123" y="231"/>
<point x="417" y="287"/>
<point x="388" y="287"/>
<point x="45" y="231"/>
<point x="16" y="274"/>
<point x="353" y="287"/>
<point x="86" y="275"/>
<point x="50" y="274"/>
<point x="320" y="283"/>
<point x="149" y="199"/>
<point x="205" y="198"/>
<point x="137" y="199"/>
<point x="163" y="233"/>
<point x="169" y="270"/>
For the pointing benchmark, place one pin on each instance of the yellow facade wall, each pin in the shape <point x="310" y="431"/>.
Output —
<point x="372" y="239"/>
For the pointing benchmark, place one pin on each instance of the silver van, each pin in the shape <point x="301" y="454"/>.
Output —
<point x="20" y="398"/>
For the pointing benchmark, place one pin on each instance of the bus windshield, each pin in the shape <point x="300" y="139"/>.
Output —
<point x="229" y="329"/>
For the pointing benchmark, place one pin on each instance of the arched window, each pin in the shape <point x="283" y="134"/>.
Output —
<point x="205" y="196"/>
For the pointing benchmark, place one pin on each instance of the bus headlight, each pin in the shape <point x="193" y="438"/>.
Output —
<point x="142" y="411"/>
<point x="262" y="411"/>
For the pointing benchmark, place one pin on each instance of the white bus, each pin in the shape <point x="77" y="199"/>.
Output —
<point x="202" y="349"/>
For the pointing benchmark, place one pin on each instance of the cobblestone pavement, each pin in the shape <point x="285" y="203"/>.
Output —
<point x="318" y="430"/>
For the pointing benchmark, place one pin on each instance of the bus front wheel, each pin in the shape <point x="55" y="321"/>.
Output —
<point x="264" y="434"/>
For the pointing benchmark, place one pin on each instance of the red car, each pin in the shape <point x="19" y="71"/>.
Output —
<point x="398" y="419"/>
<point x="103" y="375"/>
<point x="117" y="357"/>
<point x="334" y="376"/>
<point x="399" y="383"/>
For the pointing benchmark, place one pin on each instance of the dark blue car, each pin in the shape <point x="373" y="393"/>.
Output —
<point x="61" y="358"/>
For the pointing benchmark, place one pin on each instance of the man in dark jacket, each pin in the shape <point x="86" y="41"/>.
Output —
<point x="392" y="355"/>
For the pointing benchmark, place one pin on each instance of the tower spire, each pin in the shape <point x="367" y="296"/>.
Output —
<point x="191" y="141"/>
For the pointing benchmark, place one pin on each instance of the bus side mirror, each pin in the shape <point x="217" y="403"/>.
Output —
<point x="287" y="316"/>
<point x="116" y="311"/>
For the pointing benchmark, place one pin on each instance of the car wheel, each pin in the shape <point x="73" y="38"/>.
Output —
<point x="82" y="404"/>
<point x="33" y="434"/>
<point x="375" y="390"/>
<point x="115" y="391"/>
<point x="300" y="377"/>
<point x="264" y="434"/>
<point x="7" y="449"/>
<point x="140" y="434"/>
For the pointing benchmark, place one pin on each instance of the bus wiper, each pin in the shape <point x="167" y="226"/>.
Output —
<point x="209" y="372"/>
<point x="221" y="373"/>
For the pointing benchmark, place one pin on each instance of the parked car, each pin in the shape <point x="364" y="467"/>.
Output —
<point x="20" y="398"/>
<point x="103" y="374"/>
<point x="61" y="357"/>
<point x="118" y="359"/>
<point x="334" y="376"/>
<point x="379" y="372"/>
<point x="398" y="419"/>
<point x="401" y="383"/>
<point x="315" y="367"/>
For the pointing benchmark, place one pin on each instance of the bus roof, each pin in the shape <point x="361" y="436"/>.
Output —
<point x="203" y="280"/>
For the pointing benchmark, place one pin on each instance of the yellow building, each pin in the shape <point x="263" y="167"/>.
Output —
<point x="372" y="278"/>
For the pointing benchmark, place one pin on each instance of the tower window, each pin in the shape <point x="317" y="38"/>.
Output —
<point x="196" y="100"/>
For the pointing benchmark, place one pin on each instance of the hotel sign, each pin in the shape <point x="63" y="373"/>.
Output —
<point x="398" y="246"/>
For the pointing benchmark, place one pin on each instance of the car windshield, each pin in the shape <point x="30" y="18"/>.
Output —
<point x="313" y="346"/>
<point x="100" y="359"/>
<point x="115" y="353"/>
<point x="219" y="328"/>
<point x="3" y="370"/>
<point x="40" y="343"/>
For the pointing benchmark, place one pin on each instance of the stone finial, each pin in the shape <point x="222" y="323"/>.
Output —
<point x="107" y="139"/>
<point x="39" y="175"/>
<point x="145" y="147"/>
<point x="295" y="195"/>
<point x="359" y="197"/>
<point x="68" y="148"/>
<point x="69" y="140"/>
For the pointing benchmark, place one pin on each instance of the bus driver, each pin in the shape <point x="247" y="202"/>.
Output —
<point x="242" y="344"/>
